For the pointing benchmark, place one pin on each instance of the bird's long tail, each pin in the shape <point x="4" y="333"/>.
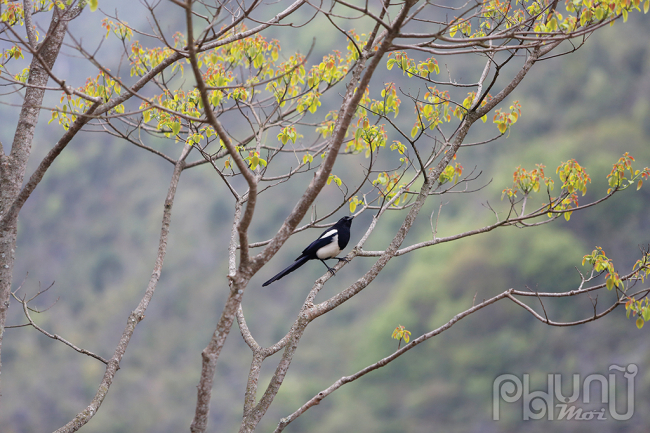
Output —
<point x="295" y="265"/>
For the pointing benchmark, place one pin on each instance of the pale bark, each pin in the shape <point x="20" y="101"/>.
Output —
<point x="13" y="194"/>
<point x="138" y="314"/>
<point x="13" y="165"/>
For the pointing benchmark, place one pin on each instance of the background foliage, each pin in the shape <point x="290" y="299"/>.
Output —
<point x="592" y="106"/>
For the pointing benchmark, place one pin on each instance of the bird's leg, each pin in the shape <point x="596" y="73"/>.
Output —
<point x="328" y="268"/>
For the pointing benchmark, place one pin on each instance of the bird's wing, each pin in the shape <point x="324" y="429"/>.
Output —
<point x="323" y="240"/>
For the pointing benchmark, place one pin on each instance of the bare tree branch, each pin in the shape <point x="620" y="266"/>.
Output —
<point x="138" y="314"/>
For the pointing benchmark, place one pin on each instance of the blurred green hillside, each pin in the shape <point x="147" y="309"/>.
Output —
<point x="92" y="228"/>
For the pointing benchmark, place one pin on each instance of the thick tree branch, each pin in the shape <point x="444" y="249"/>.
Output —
<point x="45" y="164"/>
<point x="138" y="314"/>
<point x="246" y="219"/>
<point x="13" y="166"/>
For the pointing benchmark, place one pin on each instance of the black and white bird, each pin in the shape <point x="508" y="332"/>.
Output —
<point x="327" y="246"/>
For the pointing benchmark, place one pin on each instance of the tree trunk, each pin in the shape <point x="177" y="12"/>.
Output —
<point x="12" y="166"/>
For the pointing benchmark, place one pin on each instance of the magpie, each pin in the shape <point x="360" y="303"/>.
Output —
<point x="326" y="247"/>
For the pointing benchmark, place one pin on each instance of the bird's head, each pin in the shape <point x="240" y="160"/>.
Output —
<point x="347" y="220"/>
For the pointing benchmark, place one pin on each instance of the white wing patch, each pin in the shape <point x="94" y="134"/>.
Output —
<point x="329" y="233"/>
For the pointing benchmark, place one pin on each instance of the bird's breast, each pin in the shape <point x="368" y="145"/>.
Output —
<point x="330" y="250"/>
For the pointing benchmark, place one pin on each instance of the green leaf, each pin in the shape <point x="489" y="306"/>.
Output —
<point x="353" y="206"/>
<point x="93" y="5"/>
<point x="176" y="127"/>
<point x="646" y="314"/>
<point x="639" y="322"/>
<point x="646" y="6"/>
<point x="599" y="14"/>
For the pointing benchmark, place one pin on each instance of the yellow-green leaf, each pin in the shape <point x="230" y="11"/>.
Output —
<point x="639" y="322"/>
<point x="176" y="127"/>
<point x="93" y="5"/>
